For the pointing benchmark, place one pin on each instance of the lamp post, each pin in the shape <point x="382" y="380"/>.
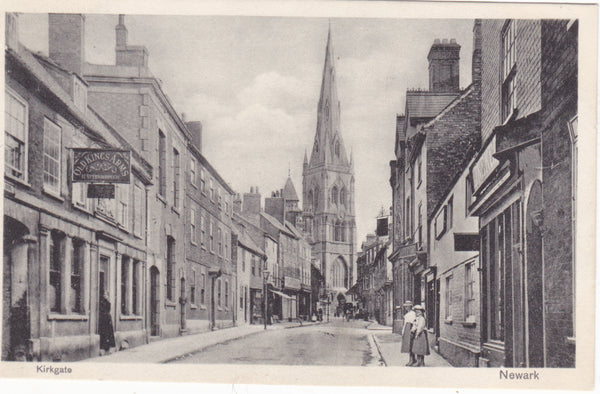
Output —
<point x="265" y="313"/>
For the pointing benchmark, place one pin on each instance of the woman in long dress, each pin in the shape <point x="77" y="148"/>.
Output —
<point x="105" y="328"/>
<point x="407" y="337"/>
<point x="420" y="344"/>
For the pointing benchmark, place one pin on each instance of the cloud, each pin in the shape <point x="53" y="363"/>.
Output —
<point x="274" y="90"/>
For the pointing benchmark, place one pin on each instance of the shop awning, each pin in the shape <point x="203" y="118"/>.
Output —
<point x="283" y="295"/>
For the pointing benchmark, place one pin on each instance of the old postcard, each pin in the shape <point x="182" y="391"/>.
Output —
<point x="289" y="193"/>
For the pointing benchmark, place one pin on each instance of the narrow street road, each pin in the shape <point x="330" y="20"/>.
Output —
<point x="334" y="343"/>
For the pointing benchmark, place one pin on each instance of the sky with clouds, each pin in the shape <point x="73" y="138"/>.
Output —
<point x="254" y="83"/>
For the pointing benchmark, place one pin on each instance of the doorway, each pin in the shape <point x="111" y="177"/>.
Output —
<point x="154" y="301"/>
<point x="103" y="283"/>
<point x="535" y="296"/>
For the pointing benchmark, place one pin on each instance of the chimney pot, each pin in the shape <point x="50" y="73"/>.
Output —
<point x="436" y="41"/>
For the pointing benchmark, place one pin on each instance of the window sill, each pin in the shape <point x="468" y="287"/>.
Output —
<point x="161" y="199"/>
<point x="67" y="317"/>
<point x="130" y="317"/>
<point x="82" y="208"/>
<point x="219" y="308"/>
<point x="170" y="304"/>
<point x="193" y="306"/>
<point x="448" y="321"/>
<point x="469" y="324"/>
<point x="202" y="307"/>
<point x="570" y="340"/>
<point x="193" y="243"/>
<point x="176" y="210"/>
<point x="52" y="194"/>
<point x="18" y="180"/>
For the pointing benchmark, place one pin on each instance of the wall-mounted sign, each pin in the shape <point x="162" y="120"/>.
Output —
<point x="101" y="165"/>
<point x="485" y="165"/>
<point x="100" y="191"/>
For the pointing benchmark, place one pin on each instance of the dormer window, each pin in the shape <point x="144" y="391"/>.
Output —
<point x="79" y="94"/>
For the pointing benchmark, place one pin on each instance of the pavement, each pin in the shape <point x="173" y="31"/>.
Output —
<point x="165" y="350"/>
<point x="388" y="345"/>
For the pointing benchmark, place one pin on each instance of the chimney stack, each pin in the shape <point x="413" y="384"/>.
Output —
<point x="195" y="129"/>
<point x="476" y="61"/>
<point x="444" y="58"/>
<point x="251" y="203"/>
<point x="128" y="55"/>
<point x="121" y="31"/>
<point x="66" y="33"/>
<point x="12" y="30"/>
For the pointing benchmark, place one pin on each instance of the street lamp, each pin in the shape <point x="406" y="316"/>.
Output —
<point x="265" y="278"/>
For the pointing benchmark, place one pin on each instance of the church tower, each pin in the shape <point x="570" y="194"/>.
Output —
<point x="328" y="191"/>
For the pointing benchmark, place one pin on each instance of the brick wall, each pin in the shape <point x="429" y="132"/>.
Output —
<point x="528" y="88"/>
<point x="451" y="141"/>
<point x="559" y="88"/>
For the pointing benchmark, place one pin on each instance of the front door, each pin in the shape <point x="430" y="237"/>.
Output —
<point x="103" y="282"/>
<point x="154" y="301"/>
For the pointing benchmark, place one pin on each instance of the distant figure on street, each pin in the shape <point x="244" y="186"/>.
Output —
<point x="105" y="327"/>
<point x="420" y="344"/>
<point x="320" y="314"/>
<point x="407" y="335"/>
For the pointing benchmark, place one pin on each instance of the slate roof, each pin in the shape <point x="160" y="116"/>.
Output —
<point x="247" y="242"/>
<point x="427" y="104"/>
<point x="289" y="191"/>
<point x="275" y="223"/>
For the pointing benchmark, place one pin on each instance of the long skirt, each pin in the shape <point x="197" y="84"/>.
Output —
<point x="407" y="339"/>
<point x="107" y="334"/>
<point x="421" y="344"/>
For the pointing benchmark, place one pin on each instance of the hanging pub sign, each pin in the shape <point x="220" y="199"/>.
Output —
<point x="100" y="191"/>
<point x="101" y="165"/>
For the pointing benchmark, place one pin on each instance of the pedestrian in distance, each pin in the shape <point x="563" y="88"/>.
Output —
<point x="407" y="333"/>
<point x="420" y="344"/>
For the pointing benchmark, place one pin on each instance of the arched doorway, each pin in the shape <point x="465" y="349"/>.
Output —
<point x="534" y="261"/>
<point x="154" y="302"/>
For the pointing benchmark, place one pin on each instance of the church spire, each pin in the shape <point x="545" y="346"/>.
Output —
<point x="328" y="147"/>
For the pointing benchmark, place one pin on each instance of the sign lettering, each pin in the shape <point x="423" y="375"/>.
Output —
<point x="101" y="165"/>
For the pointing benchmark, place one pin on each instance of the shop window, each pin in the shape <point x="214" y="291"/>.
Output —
<point x="135" y="287"/>
<point x="15" y="126"/>
<point x="56" y="241"/>
<point x="170" y="269"/>
<point x="124" y="284"/>
<point x="77" y="259"/>
<point x="470" y="292"/>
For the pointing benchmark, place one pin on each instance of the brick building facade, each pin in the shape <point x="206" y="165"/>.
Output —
<point x="526" y="219"/>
